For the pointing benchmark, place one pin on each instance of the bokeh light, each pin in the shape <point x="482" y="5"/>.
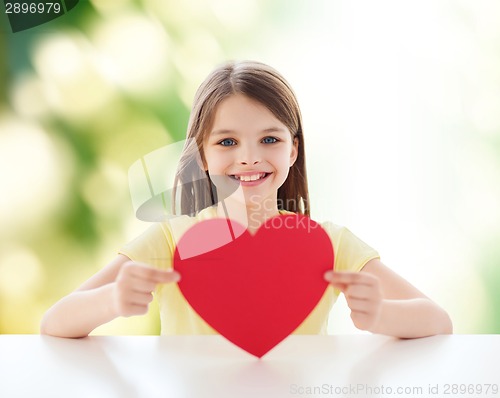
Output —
<point x="70" y="71"/>
<point x="135" y="50"/>
<point x="33" y="176"/>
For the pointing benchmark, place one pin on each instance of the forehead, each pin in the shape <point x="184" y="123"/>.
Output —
<point x="238" y="110"/>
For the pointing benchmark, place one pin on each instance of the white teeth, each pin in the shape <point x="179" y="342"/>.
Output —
<point x="253" y="177"/>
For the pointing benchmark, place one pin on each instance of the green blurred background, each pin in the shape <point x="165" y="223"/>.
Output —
<point x="401" y="104"/>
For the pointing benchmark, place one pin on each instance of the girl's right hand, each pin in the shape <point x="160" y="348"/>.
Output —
<point x="134" y="285"/>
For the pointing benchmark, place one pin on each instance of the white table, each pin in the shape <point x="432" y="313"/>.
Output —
<point x="210" y="366"/>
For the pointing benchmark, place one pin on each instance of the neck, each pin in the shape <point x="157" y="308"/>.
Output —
<point x="251" y="217"/>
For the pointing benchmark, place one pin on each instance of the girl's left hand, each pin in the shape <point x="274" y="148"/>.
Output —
<point x="363" y="294"/>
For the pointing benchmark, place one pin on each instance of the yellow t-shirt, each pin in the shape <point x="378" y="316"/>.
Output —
<point x="156" y="246"/>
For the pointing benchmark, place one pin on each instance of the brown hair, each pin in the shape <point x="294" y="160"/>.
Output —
<point x="258" y="82"/>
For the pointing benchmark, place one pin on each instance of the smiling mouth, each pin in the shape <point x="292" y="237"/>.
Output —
<point x="253" y="177"/>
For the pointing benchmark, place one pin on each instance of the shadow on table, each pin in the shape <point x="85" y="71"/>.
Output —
<point x="100" y="374"/>
<point x="226" y="370"/>
<point x="396" y="360"/>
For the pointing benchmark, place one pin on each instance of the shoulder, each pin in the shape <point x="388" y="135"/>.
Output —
<point x="351" y="253"/>
<point x="337" y="233"/>
<point x="343" y="236"/>
<point x="172" y="227"/>
<point x="340" y="235"/>
<point x="335" y="230"/>
<point x="181" y="220"/>
<point x="175" y="227"/>
<point x="160" y="239"/>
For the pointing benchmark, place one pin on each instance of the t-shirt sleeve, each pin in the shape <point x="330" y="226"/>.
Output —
<point x="350" y="252"/>
<point x="153" y="247"/>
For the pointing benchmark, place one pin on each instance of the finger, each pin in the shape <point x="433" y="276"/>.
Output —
<point x="169" y="276"/>
<point x="142" y="286"/>
<point x="358" y="305"/>
<point x="349" y="278"/>
<point x="131" y="282"/>
<point x="135" y="298"/>
<point x="340" y="286"/>
<point x="340" y="277"/>
<point x="154" y="275"/>
<point x="137" y="310"/>
<point x="361" y="292"/>
<point x="340" y="280"/>
<point x="328" y="275"/>
<point x="134" y="304"/>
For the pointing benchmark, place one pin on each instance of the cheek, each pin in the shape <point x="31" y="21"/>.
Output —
<point x="283" y="160"/>
<point x="215" y="161"/>
<point x="281" y="164"/>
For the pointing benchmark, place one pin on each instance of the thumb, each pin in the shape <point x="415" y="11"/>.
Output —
<point x="330" y="278"/>
<point x="167" y="276"/>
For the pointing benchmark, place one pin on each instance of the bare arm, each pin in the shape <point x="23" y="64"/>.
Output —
<point x="122" y="288"/>
<point x="383" y="302"/>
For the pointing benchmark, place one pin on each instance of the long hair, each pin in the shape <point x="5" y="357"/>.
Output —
<point x="261" y="83"/>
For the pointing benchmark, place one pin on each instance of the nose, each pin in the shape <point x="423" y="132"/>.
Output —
<point x="248" y="155"/>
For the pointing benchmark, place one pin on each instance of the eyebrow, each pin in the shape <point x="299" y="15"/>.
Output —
<point x="265" y="131"/>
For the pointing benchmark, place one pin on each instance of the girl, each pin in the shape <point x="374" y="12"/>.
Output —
<point x="244" y="160"/>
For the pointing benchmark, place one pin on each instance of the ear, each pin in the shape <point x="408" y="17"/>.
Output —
<point x="295" y="151"/>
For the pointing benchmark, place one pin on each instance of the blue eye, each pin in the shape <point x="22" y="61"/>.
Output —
<point x="269" y="140"/>
<point x="227" y="142"/>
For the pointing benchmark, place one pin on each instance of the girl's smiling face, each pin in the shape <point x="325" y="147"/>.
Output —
<point x="248" y="147"/>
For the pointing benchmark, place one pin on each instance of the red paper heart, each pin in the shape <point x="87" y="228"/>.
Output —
<point x="254" y="290"/>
